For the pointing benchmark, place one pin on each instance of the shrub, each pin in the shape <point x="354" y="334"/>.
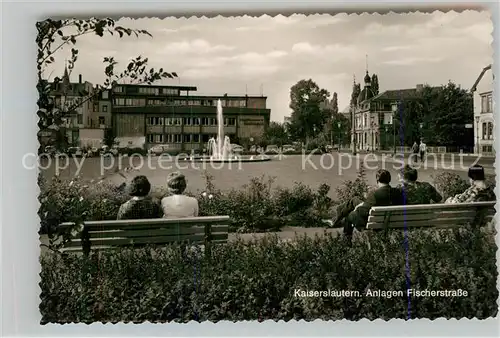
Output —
<point x="257" y="206"/>
<point x="257" y="280"/>
<point x="450" y="184"/>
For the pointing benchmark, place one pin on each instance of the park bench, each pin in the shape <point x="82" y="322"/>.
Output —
<point x="103" y="235"/>
<point x="431" y="215"/>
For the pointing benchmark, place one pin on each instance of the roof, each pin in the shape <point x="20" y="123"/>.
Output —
<point x="485" y="69"/>
<point x="397" y="94"/>
<point x="366" y="94"/>
<point x="190" y="88"/>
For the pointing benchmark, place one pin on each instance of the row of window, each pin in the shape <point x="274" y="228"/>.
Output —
<point x="139" y="102"/>
<point x="487" y="130"/>
<point x="188" y="121"/>
<point x="91" y="123"/>
<point x="104" y="108"/>
<point x="181" y="138"/>
<point x="487" y="149"/>
<point x="129" y="102"/>
<point x="206" y="103"/>
<point x="487" y="103"/>
<point x="151" y="90"/>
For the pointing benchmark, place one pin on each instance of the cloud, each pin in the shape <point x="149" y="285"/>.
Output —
<point x="186" y="28"/>
<point x="249" y="64"/>
<point x="397" y="48"/>
<point x="413" y="61"/>
<point x="197" y="46"/>
<point x="334" y="51"/>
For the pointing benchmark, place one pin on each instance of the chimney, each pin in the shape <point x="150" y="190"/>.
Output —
<point x="80" y="78"/>
<point x="420" y="87"/>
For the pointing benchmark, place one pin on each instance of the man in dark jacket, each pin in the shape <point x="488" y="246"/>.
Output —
<point x="352" y="215"/>
<point x="414" y="192"/>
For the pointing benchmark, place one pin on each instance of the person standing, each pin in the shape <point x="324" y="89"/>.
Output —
<point x="422" y="148"/>
<point x="414" y="149"/>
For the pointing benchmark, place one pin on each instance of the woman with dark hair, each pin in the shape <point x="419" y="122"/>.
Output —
<point x="140" y="206"/>
<point x="178" y="205"/>
<point x="478" y="191"/>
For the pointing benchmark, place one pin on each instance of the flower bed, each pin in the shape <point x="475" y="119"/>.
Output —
<point x="258" y="280"/>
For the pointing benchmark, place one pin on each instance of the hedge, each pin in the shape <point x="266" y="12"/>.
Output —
<point x="257" y="280"/>
<point x="256" y="207"/>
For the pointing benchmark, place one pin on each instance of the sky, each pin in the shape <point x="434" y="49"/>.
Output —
<point x="268" y="55"/>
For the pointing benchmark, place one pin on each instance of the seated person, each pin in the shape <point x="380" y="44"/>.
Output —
<point x="178" y="205"/>
<point x="414" y="192"/>
<point x="478" y="191"/>
<point x="351" y="215"/>
<point x="140" y="206"/>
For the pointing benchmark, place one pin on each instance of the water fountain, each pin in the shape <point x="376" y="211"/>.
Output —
<point x="220" y="149"/>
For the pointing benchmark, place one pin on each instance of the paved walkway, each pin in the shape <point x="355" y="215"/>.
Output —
<point x="452" y="162"/>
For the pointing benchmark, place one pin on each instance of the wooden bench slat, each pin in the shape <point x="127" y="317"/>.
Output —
<point x="426" y="216"/>
<point x="118" y="241"/>
<point x="155" y="222"/>
<point x="438" y="222"/>
<point x="440" y="206"/>
<point x="154" y="232"/>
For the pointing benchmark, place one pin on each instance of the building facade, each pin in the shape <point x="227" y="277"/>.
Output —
<point x="65" y="94"/>
<point x="373" y="127"/>
<point x="483" y="112"/>
<point x="144" y="116"/>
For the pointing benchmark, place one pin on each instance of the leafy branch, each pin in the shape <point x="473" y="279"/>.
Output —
<point x="53" y="35"/>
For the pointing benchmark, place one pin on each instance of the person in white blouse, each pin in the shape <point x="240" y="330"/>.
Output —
<point x="178" y="205"/>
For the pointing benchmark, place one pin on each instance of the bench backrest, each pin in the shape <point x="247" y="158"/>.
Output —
<point x="119" y="233"/>
<point x="430" y="215"/>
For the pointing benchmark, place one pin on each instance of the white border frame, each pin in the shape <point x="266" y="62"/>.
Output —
<point x="19" y="239"/>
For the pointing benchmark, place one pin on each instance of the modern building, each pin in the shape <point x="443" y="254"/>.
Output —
<point x="373" y="116"/>
<point x="146" y="115"/>
<point x="483" y="112"/>
<point x="66" y="94"/>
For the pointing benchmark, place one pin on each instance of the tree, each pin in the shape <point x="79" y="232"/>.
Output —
<point x="438" y="115"/>
<point x="276" y="134"/>
<point x="356" y="90"/>
<point x="450" y="109"/>
<point x="335" y="103"/>
<point x="53" y="35"/>
<point x="307" y="116"/>
<point x="375" y="86"/>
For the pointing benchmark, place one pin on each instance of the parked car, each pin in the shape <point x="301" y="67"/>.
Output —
<point x="158" y="150"/>
<point x="236" y="148"/>
<point x="76" y="151"/>
<point x="272" y="149"/>
<point x="107" y="150"/>
<point x="50" y="150"/>
<point x="288" y="148"/>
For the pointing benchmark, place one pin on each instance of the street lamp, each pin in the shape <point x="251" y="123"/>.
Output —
<point x="477" y="134"/>
<point x="385" y="136"/>
<point x="394" y="110"/>
<point x="372" y="126"/>
<point x="338" y="126"/>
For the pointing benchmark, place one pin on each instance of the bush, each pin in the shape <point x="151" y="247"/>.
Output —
<point x="257" y="280"/>
<point x="256" y="207"/>
<point x="450" y="184"/>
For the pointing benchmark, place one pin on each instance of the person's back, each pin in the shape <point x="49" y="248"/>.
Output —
<point x="383" y="195"/>
<point x="479" y="190"/>
<point x="414" y="192"/>
<point x="178" y="205"/>
<point x="140" y="206"/>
